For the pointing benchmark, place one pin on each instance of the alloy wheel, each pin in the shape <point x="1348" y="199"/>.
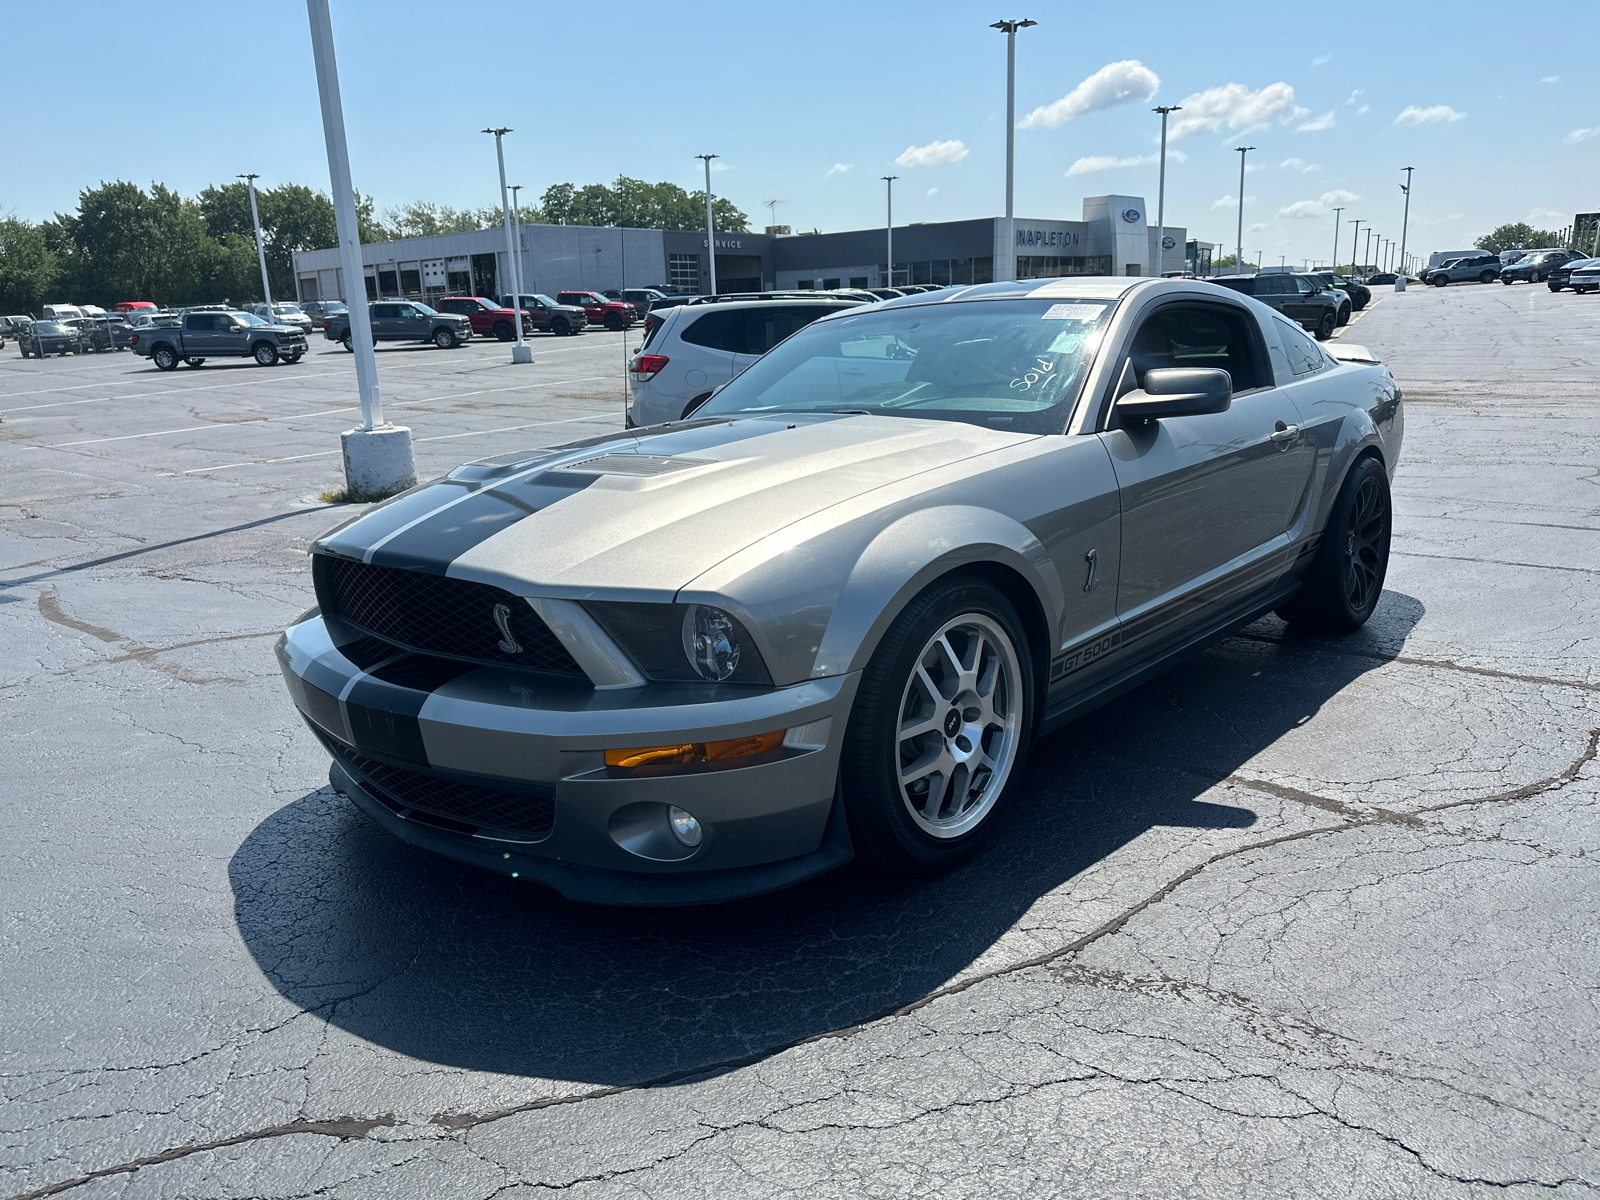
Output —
<point x="1364" y="545"/>
<point x="958" y="731"/>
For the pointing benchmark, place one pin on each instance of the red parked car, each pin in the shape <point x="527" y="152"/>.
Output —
<point x="613" y="314"/>
<point x="486" y="316"/>
<point x="133" y="306"/>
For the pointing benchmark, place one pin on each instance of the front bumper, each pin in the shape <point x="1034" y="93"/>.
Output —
<point x="442" y="766"/>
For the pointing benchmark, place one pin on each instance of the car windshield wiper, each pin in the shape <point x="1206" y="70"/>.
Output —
<point x="852" y="412"/>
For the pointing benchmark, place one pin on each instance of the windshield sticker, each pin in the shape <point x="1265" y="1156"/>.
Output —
<point x="1073" y="312"/>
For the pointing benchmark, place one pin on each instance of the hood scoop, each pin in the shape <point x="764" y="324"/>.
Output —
<point x="633" y="464"/>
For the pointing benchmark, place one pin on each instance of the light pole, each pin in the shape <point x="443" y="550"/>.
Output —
<point x="1009" y="28"/>
<point x="261" y="250"/>
<point x="1356" y="221"/>
<point x="888" y="228"/>
<point x="1337" y="213"/>
<point x="521" y="352"/>
<point x="711" y="236"/>
<point x="516" y="233"/>
<point x="772" y="208"/>
<point x="1366" y="255"/>
<point x="1161" y="189"/>
<point x="1243" y="150"/>
<point x="377" y="456"/>
<point x="1405" y="224"/>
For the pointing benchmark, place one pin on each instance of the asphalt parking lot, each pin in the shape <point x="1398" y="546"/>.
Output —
<point x="1303" y="917"/>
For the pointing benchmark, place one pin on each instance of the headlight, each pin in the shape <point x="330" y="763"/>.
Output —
<point x="690" y="643"/>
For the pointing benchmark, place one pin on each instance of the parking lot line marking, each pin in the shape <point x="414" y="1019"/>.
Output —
<point x="307" y="416"/>
<point x="262" y="462"/>
<point x="205" y="387"/>
<point x="1372" y="305"/>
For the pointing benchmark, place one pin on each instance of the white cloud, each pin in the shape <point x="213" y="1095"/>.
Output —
<point x="1365" y="108"/>
<point x="1582" y="135"/>
<point x="1551" y="79"/>
<point x="1233" y="107"/>
<point x="1320" y="207"/>
<point x="1355" y="95"/>
<point x="1540" y="215"/>
<point x="1301" y="165"/>
<point x="1430" y="221"/>
<point x="1113" y="84"/>
<point x="933" y="191"/>
<point x="1256" y="228"/>
<point x="1110" y="162"/>
<point x="1317" y="124"/>
<point x="934" y="152"/>
<point x="1322" y="60"/>
<point x="1433" y="114"/>
<point x="1230" y="201"/>
<point x="837" y="169"/>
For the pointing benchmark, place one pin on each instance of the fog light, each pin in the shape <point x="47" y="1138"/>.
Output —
<point x="685" y="826"/>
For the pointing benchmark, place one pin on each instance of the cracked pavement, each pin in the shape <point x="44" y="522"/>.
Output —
<point x="1304" y="916"/>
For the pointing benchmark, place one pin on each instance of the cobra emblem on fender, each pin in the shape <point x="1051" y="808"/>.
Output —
<point x="508" y="641"/>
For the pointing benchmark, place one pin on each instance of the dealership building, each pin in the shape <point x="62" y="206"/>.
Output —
<point x="1113" y="237"/>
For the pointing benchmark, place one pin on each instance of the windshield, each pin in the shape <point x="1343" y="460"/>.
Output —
<point x="424" y="309"/>
<point x="285" y="310"/>
<point x="1008" y="364"/>
<point x="546" y="301"/>
<point x="49" y="327"/>
<point x="249" y="319"/>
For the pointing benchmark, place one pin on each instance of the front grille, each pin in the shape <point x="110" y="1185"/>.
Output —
<point x="437" y="615"/>
<point x="479" y="809"/>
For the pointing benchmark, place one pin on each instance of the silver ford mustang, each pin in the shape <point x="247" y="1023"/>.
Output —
<point x="826" y="614"/>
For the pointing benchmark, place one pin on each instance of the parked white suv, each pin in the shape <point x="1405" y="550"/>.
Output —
<point x="696" y="348"/>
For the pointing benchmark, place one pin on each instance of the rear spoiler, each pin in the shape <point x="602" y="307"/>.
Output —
<point x="1351" y="353"/>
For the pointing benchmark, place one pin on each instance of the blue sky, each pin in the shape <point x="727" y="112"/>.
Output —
<point x="811" y="103"/>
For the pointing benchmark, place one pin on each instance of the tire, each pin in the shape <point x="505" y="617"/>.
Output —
<point x="194" y="362"/>
<point x="265" y="354"/>
<point x="923" y="803"/>
<point x="1324" y="329"/>
<point x="688" y="409"/>
<point x="1345" y="580"/>
<point x="1489" y="277"/>
<point x="1344" y="315"/>
<point x="445" y="339"/>
<point x="292" y="359"/>
<point x="1507" y="282"/>
<point x="1441" y="281"/>
<point x="1553" y="285"/>
<point x="504" y="332"/>
<point x="613" y="323"/>
<point x="560" y="328"/>
<point x="348" y="341"/>
<point x="165" y="358"/>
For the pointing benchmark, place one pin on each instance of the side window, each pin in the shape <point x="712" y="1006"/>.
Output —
<point x="766" y="326"/>
<point x="1303" y="286"/>
<point x="450" y="306"/>
<point x="1305" y="357"/>
<point x="716" y="331"/>
<point x="383" y="312"/>
<point x="1183" y="335"/>
<point x="1270" y="285"/>
<point x="202" y="322"/>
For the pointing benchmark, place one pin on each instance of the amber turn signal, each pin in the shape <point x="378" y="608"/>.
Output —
<point x="696" y="752"/>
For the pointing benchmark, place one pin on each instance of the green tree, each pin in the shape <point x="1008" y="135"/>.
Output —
<point x="556" y="203"/>
<point x="126" y="244"/>
<point x="638" y="205"/>
<point x="1516" y="236"/>
<point x="424" y="218"/>
<point x="28" y="267"/>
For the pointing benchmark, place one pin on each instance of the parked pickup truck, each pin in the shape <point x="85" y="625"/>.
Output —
<point x="486" y="316"/>
<point x="546" y="314"/>
<point x="402" y="321"/>
<point x="613" y="314"/>
<point x="203" y="335"/>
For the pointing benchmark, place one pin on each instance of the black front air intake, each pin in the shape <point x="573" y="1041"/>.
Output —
<point x="432" y="614"/>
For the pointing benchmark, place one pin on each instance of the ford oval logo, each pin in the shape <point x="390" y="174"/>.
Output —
<point x="1169" y="243"/>
<point x="1130" y="215"/>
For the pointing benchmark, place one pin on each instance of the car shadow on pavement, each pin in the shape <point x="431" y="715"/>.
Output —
<point x="456" y="966"/>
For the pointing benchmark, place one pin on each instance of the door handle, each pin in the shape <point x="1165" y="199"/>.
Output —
<point x="1284" y="433"/>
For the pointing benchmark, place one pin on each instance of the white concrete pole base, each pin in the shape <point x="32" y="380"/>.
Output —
<point x="1399" y="283"/>
<point x="377" y="462"/>
<point x="522" y="354"/>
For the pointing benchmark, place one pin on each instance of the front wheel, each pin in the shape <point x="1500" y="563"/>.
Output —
<point x="293" y="358"/>
<point x="194" y="362"/>
<point x="1341" y="587"/>
<point x="266" y="354"/>
<point x="1324" y="329"/>
<point x="1489" y="277"/>
<point x="939" y="729"/>
<point x="504" y="332"/>
<point x="1344" y="315"/>
<point x="560" y="328"/>
<point x="1441" y="281"/>
<point x="1553" y="286"/>
<point x="1507" y="282"/>
<point x="445" y="339"/>
<point x="613" y="323"/>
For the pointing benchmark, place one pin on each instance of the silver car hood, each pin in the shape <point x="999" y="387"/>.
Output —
<point x="637" y="516"/>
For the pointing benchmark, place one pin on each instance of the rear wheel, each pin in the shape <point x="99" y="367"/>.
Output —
<point x="194" y="362"/>
<point x="266" y="354"/>
<point x="1344" y="314"/>
<point x="939" y="728"/>
<point x="445" y="339"/>
<point x="504" y="332"/>
<point x="1341" y="587"/>
<point x="349" y="342"/>
<point x="165" y="358"/>
<point x="1489" y="277"/>
<point x="1324" y="329"/>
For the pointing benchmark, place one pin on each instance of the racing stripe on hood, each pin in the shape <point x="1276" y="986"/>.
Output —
<point x="432" y="543"/>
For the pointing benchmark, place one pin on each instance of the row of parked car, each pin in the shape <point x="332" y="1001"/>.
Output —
<point x="1557" y="269"/>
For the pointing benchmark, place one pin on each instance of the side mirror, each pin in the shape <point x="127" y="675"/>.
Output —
<point x="1178" y="392"/>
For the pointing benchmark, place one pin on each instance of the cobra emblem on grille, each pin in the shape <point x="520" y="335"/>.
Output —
<point x="508" y="641"/>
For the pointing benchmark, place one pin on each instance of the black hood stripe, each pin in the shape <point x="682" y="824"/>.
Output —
<point x="435" y="542"/>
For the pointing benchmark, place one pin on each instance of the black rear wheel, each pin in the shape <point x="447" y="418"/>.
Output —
<point x="1324" y="329"/>
<point x="1342" y="586"/>
<point x="1488" y="277"/>
<point x="939" y="729"/>
<point x="349" y="342"/>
